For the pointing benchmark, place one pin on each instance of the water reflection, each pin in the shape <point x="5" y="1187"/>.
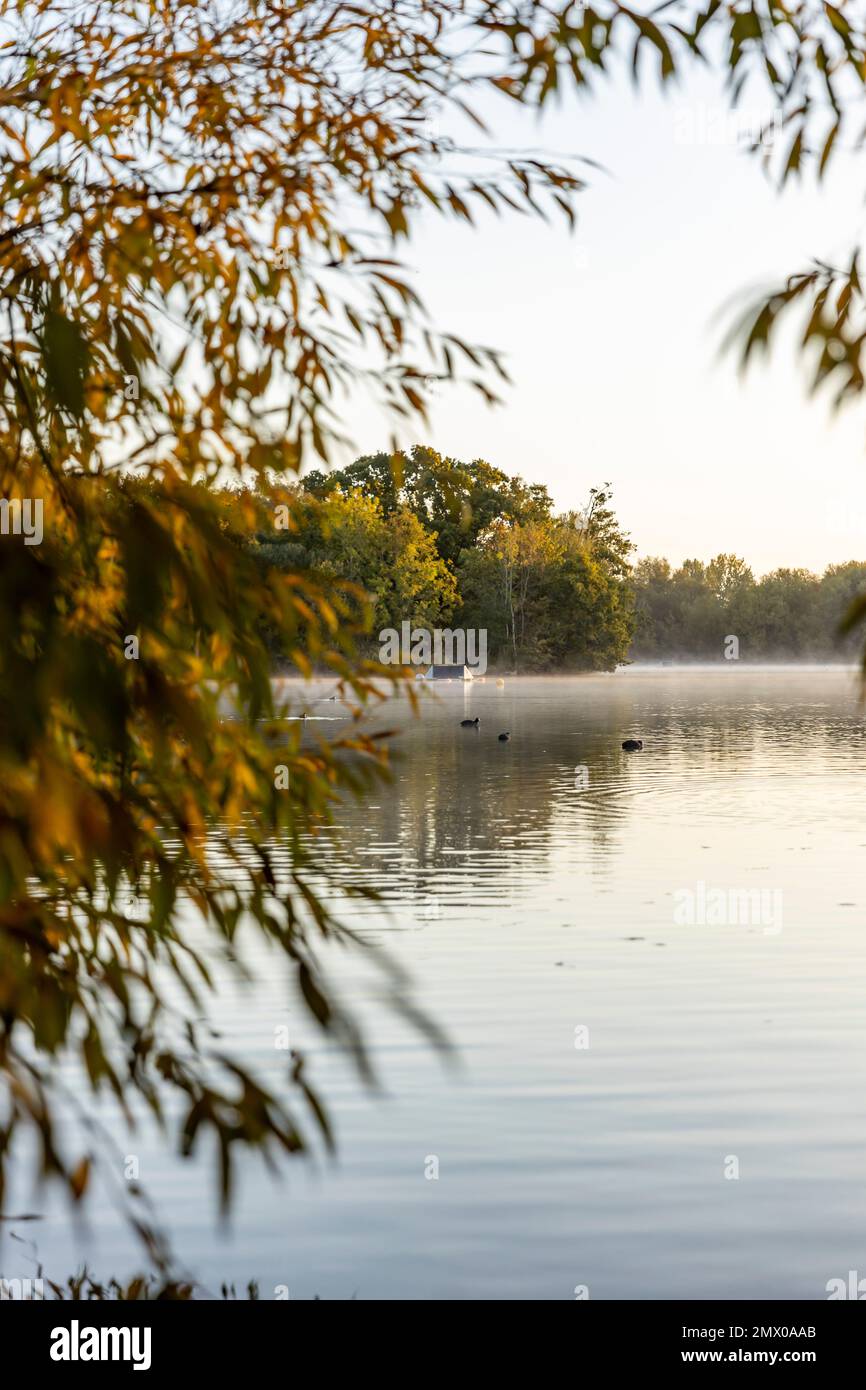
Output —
<point x="529" y="902"/>
<point x="468" y="815"/>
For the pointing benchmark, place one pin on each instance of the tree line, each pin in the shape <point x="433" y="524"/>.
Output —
<point x="443" y="543"/>
<point x="692" y="612"/>
<point x="439" y="542"/>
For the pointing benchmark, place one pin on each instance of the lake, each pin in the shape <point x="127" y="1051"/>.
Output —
<point x="652" y="969"/>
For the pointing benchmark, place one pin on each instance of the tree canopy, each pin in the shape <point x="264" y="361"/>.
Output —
<point x="456" y="500"/>
<point x="550" y="591"/>
<point x="688" y="613"/>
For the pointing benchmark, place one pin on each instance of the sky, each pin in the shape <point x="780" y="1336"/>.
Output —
<point x="612" y="335"/>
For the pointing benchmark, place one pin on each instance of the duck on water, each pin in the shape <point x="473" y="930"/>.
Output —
<point x="633" y="745"/>
<point x="470" y="723"/>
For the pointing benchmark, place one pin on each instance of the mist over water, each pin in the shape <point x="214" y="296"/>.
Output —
<point x="612" y="1062"/>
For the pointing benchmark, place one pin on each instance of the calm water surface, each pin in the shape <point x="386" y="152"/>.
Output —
<point x="528" y="900"/>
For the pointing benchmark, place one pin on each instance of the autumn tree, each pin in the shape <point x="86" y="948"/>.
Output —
<point x="454" y="500"/>
<point x="392" y="559"/>
<point x="200" y="214"/>
<point x="553" y="593"/>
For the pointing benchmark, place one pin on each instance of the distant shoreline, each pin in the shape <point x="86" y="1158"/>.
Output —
<point x="648" y="668"/>
<point x="782" y="664"/>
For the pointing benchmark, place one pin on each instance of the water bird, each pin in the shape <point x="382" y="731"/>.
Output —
<point x="504" y="738"/>
<point x="470" y="723"/>
<point x="633" y="745"/>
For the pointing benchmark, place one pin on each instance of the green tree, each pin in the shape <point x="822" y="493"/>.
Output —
<point x="591" y="609"/>
<point x="787" y="616"/>
<point x="655" y="619"/>
<point x="688" y="613"/>
<point x="839" y="598"/>
<point x="456" y="501"/>
<point x="552" y="593"/>
<point x="729" y="576"/>
<point x="392" y="558"/>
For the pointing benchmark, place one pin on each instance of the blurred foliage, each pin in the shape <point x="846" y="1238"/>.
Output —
<point x="142" y="1288"/>
<point x="201" y="205"/>
<point x="145" y="1288"/>
<point x="787" y="615"/>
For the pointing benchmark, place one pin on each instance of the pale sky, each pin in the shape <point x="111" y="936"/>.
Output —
<point x="612" y="337"/>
